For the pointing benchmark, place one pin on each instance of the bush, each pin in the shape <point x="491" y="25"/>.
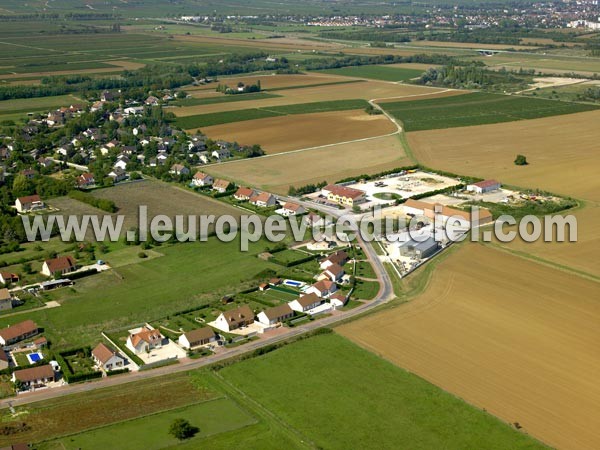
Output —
<point x="182" y="429"/>
<point x="521" y="160"/>
<point x="103" y="204"/>
<point x="142" y="255"/>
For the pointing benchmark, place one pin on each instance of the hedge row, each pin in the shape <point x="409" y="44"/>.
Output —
<point x="82" y="274"/>
<point x="100" y="203"/>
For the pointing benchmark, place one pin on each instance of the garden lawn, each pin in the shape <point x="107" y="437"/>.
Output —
<point x="188" y="275"/>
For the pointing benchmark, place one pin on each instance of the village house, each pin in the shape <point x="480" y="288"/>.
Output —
<point x="202" y="179"/>
<point x="179" y="169"/>
<point x="335" y="272"/>
<point x="263" y="200"/>
<point x="338" y="300"/>
<point x="221" y="186"/>
<point x="235" y="318"/>
<point x="121" y="163"/>
<point x="221" y="153"/>
<point x="197" y="338"/>
<point x="305" y="303"/>
<point x="61" y="265"/>
<point x="34" y="376"/>
<point x="481" y="187"/>
<point x="343" y="195"/>
<point x="107" y="359"/>
<point x="29" y="173"/>
<point x="243" y="194"/>
<point x="6" y="299"/>
<point x="18" y="332"/>
<point x="107" y="96"/>
<point x="322" y="288"/>
<point x="45" y="162"/>
<point x="275" y="315"/>
<point x="144" y="340"/>
<point x="29" y="203"/>
<point x="117" y="175"/>
<point x="152" y="101"/>
<point x="340" y="258"/>
<point x="85" y="180"/>
<point x="7" y="277"/>
<point x="292" y="209"/>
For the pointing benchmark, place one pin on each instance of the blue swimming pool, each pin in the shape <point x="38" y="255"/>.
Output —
<point x="34" y="357"/>
<point x="293" y="283"/>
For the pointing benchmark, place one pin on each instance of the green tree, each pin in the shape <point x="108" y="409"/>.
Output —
<point x="182" y="429"/>
<point x="521" y="160"/>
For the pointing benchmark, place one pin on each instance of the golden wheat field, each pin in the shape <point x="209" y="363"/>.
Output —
<point x="514" y="337"/>
<point x="563" y="152"/>
<point x="277" y="172"/>
<point x="281" y="134"/>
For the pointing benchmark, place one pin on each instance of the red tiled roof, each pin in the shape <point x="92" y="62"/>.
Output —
<point x="29" y="199"/>
<point x="344" y="191"/>
<point x="18" y="329"/>
<point x="61" y="263"/>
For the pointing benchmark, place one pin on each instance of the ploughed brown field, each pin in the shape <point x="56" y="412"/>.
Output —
<point x="514" y="337"/>
<point x="333" y="163"/>
<point x="282" y="134"/>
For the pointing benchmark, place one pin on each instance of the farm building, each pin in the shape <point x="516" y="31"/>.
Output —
<point x="235" y="318"/>
<point x="107" y="359"/>
<point x="482" y="187"/>
<point x="343" y="195"/>
<point x="29" y="203"/>
<point x="412" y="248"/>
<point x="197" y="338"/>
<point x="443" y="213"/>
<point x="18" y="332"/>
<point x="272" y="316"/>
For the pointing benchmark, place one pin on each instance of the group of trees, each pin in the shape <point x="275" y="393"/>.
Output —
<point x="351" y="60"/>
<point x="474" y="77"/>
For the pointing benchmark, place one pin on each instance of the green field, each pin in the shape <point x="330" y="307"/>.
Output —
<point x="187" y="275"/>
<point x="476" y="109"/>
<point x="337" y="395"/>
<point x="207" y="120"/>
<point x="376" y="72"/>
<point x="151" y="432"/>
